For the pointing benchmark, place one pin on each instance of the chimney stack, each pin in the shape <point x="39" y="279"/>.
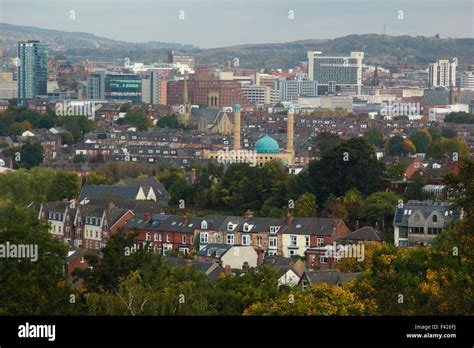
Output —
<point x="111" y="205"/>
<point x="289" y="218"/>
<point x="227" y="270"/>
<point x="185" y="220"/>
<point x="245" y="267"/>
<point x="236" y="127"/>
<point x="147" y="215"/>
<point x="248" y="214"/>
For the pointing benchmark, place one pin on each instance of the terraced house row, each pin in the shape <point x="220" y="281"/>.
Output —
<point x="91" y="225"/>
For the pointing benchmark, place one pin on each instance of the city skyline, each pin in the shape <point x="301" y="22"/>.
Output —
<point x="284" y="21"/>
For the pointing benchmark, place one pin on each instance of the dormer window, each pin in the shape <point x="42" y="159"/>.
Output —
<point x="246" y="227"/>
<point x="435" y="218"/>
<point x="230" y="226"/>
<point x="274" y="229"/>
<point x="204" y="225"/>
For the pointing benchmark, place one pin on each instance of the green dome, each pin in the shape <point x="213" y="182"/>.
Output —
<point x="267" y="145"/>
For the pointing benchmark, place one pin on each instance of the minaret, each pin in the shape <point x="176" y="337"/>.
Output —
<point x="236" y="127"/>
<point x="289" y="132"/>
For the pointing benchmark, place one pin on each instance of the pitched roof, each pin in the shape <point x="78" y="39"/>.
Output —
<point x="330" y="276"/>
<point x="366" y="233"/>
<point x="214" y="250"/>
<point x="89" y="191"/>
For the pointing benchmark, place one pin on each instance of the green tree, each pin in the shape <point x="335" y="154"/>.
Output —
<point x="422" y="140"/>
<point x="305" y="205"/>
<point x="349" y="165"/>
<point x="374" y="136"/>
<point x="379" y="207"/>
<point x="34" y="286"/>
<point x="395" y="146"/>
<point x="31" y="155"/>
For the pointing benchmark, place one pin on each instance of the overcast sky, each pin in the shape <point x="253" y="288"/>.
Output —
<point x="218" y="23"/>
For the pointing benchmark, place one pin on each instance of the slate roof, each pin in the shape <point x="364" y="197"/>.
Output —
<point x="214" y="250"/>
<point x="210" y="115"/>
<point x="366" y="233"/>
<point x="312" y="226"/>
<point x="425" y="208"/>
<point x="158" y="188"/>
<point x="89" y="191"/>
<point x="330" y="277"/>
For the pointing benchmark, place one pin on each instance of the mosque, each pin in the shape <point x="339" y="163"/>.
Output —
<point x="266" y="148"/>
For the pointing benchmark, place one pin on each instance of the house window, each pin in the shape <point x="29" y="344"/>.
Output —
<point x="203" y="237"/>
<point x="230" y="226"/>
<point x="273" y="242"/>
<point x="292" y="252"/>
<point x="230" y="239"/>
<point x="320" y="242"/>
<point x="274" y="229"/>
<point x="259" y="241"/>
<point x="168" y="238"/>
<point x="293" y="240"/>
<point x="160" y="237"/>
<point x="191" y="240"/>
<point x="417" y="218"/>
<point x="155" y="237"/>
<point x="306" y="241"/>
<point x="245" y="239"/>
<point x="403" y="232"/>
<point x="148" y="236"/>
<point x="96" y="234"/>
<point x="183" y="239"/>
<point x="323" y="259"/>
<point x="435" y="218"/>
<point x="204" y="225"/>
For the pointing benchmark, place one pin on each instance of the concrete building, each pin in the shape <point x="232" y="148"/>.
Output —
<point x="289" y="90"/>
<point x="442" y="73"/>
<point x="331" y="71"/>
<point x="154" y="88"/>
<point x="467" y="79"/>
<point x="8" y="89"/>
<point x="261" y="95"/>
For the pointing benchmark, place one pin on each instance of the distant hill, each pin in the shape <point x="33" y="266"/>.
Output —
<point x="76" y="43"/>
<point x="381" y="48"/>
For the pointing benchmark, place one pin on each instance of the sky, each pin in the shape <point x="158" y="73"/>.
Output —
<point x="220" y="23"/>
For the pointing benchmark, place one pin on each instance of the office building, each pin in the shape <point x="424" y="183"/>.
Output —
<point x="442" y="73"/>
<point x="32" y="69"/>
<point x="467" y="79"/>
<point x="331" y="72"/>
<point x="182" y="58"/>
<point x="103" y="85"/>
<point x="260" y="95"/>
<point x="154" y="88"/>
<point x="292" y="89"/>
